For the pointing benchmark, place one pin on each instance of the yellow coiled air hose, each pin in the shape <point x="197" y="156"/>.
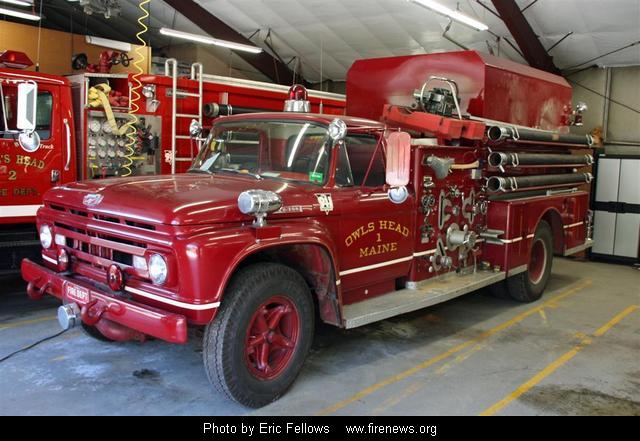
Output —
<point x="131" y="126"/>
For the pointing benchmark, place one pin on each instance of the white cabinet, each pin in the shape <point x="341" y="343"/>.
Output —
<point x="617" y="208"/>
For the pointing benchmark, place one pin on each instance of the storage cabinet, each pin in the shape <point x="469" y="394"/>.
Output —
<point x="616" y="207"/>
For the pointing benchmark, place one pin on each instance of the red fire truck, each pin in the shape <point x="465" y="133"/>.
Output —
<point x="452" y="173"/>
<point x="82" y="138"/>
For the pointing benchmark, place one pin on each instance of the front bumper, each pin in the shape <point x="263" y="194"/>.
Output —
<point x="101" y="305"/>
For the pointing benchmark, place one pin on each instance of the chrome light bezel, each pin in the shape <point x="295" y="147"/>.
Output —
<point x="158" y="269"/>
<point x="46" y="236"/>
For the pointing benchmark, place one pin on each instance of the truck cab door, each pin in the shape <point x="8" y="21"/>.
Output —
<point x="25" y="176"/>
<point x="376" y="246"/>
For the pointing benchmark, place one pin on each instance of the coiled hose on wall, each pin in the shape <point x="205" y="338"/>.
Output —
<point x="131" y="126"/>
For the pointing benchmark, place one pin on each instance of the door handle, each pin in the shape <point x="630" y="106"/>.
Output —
<point x="68" y="132"/>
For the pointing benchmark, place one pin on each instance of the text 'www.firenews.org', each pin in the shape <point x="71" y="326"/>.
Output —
<point x="375" y="429"/>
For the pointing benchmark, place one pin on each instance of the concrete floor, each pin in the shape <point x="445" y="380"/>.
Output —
<point x="466" y="356"/>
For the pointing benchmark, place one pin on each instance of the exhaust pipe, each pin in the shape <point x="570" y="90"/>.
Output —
<point x="516" y="183"/>
<point x="509" y="159"/>
<point x="499" y="133"/>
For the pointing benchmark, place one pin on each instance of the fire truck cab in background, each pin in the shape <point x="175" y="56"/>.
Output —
<point x="77" y="141"/>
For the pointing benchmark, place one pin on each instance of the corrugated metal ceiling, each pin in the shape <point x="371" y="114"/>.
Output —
<point x="328" y="35"/>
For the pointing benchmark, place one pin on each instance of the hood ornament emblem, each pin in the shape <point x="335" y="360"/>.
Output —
<point x="93" y="199"/>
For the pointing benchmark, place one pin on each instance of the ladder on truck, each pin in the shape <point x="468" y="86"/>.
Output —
<point x="171" y="70"/>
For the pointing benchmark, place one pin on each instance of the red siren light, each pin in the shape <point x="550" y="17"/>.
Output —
<point x="298" y="100"/>
<point x="15" y="60"/>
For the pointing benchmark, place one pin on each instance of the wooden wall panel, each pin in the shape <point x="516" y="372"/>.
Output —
<point x="57" y="48"/>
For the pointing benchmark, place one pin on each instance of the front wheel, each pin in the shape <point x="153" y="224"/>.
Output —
<point x="255" y="347"/>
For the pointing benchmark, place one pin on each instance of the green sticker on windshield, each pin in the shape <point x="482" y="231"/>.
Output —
<point x="316" y="177"/>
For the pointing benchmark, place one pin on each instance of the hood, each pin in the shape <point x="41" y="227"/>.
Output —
<point x="185" y="199"/>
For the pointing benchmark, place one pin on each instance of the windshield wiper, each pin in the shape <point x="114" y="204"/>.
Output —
<point x="241" y="172"/>
<point x="198" y="170"/>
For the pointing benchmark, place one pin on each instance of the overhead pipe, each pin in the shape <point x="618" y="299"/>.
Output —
<point x="213" y="110"/>
<point x="499" y="133"/>
<point x="517" y="183"/>
<point x="515" y="160"/>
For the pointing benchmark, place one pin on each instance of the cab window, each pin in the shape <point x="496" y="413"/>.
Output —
<point x="9" y="111"/>
<point x="356" y="153"/>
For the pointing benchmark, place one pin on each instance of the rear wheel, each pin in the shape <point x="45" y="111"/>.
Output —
<point x="529" y="285"/>
<point x="255" y="347"/>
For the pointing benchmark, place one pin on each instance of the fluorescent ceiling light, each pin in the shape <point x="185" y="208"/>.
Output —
<point x="209" y="40"/>
<point x="18" y="2"/>
<point x="19" y="14"/>
<point x="112" y="44"/>
<point x="451" y="13"/>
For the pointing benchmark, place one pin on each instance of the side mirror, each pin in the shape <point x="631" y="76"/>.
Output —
<point x="195" y="128"/>
<point x="28" y="138"/>
<point x="398" y="165"/>
<point x="27" y="105"/>
<point x="29" y="141"/>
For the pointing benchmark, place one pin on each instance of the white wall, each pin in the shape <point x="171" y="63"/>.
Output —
<point x="622" y="125"/>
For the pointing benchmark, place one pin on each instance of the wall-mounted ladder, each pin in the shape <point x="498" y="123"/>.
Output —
<point x="171" y="70"/>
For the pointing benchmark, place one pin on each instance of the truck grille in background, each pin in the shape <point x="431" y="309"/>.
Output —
<point x="111" y="248"/>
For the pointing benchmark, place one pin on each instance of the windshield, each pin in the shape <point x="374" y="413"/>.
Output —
<point x="289" y="151"/>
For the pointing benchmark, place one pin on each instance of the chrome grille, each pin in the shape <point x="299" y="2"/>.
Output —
<point x="90" y="244"/>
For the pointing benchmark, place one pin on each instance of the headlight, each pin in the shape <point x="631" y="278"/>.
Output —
<point x="46" y="238"/>
<point x="157" y="269"/>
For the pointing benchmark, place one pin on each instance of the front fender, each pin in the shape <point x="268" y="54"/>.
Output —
<point x="212" y="257"/>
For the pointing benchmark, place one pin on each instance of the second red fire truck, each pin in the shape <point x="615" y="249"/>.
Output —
<point x="82" y="134"/>
<point x="453" y="172"/>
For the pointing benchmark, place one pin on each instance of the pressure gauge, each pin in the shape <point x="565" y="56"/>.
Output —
<point x="111" y="141"/>
<point x="106" y="127"/>
<point x="94" y="126"/>
<point x="121" y="153"/>
<point x="102" y="142"/>
<point x="92" y="140"/>
<point x="92" y="152"/>
<point x="102" y="153"/>
<point x="111" y="153"/>
<point x="121" y="142"/>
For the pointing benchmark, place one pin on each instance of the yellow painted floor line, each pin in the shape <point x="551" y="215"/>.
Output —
<point x="454" y="350"/>
<point x="557" y="363"/>
<point x="21" y="323"/>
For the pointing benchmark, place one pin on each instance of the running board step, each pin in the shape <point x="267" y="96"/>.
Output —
<point x="427" y="293"/>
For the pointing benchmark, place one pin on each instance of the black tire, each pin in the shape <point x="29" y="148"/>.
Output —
<point x="499" y="290"/>
<point x="94" y="333"/>
<point x="528" y="286"/>
<point x="227" y="365"/>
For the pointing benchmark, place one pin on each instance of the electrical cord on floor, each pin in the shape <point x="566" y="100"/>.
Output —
<point x="32" y="345"/>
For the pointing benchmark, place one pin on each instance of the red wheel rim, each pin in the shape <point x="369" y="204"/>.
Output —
<point x="272" y="336"/>
<point x="538" y="262"/>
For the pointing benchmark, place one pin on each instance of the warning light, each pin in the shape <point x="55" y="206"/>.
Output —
<point x="298" y="100"/>
<point x="15" y="60"/>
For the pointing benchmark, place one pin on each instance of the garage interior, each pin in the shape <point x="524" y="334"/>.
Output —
<point x="575" y="351"/>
